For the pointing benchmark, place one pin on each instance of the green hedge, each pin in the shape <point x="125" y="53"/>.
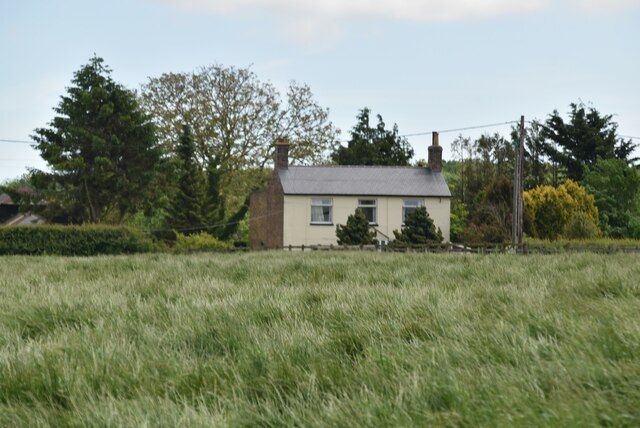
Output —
<point x="72" y="240"/>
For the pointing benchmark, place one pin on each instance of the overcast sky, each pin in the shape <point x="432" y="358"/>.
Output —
<point x="423" y="64"/>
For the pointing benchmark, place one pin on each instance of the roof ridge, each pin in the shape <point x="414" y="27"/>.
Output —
<point x="358" y="166"/>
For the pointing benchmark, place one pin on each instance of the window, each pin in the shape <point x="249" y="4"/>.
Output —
<point x="369" y="208"/>
<point x="409" y="206"/>
<point x="321" y="211"/>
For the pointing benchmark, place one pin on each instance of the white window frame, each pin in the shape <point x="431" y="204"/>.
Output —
<point x="374" y="206"/>
<point x="322" y="202"/>
<point x="410" y="203"/>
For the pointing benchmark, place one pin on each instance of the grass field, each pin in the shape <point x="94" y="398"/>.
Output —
<point x="320" y="339"/>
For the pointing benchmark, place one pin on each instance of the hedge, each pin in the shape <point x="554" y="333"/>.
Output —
<point x="72" y="240"/>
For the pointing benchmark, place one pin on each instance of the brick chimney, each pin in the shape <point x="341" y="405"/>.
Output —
<point x="435" y="154"/>
<point x="282" y="153"/>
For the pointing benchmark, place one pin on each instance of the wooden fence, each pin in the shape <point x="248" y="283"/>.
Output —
<point x="525" y="248"/>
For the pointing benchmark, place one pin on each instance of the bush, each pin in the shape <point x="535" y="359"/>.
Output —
<point x="551" y="211"/>
<point x="200" y="241"/>
<point x="72" y="240"/>
<point x="356" y="232"/>
<point x="581" y="226"/>
<point x="418" y="229"/>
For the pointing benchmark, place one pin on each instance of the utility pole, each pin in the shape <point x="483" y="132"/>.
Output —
<point x="521" y="182"/>
<point x="518" y="184"/>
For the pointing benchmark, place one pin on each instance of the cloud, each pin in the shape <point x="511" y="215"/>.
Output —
<point x="410" y="10"/>
<point x="607" y="5"/>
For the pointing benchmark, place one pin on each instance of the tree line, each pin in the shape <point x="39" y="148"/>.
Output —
<point x="185" y="150"/>
<point x="181" y="153"/>
<point x="580" y="180"/>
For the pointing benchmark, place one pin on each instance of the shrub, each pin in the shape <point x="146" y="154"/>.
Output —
<point x="581" y="226"/>
<point x="492" y="213"/>
<point x="418" y="229"/>
<point x="356" y="232"/>
<point x="72" y="240"/>
<point x="550" y="211"/>
<point x="200" y="241"/>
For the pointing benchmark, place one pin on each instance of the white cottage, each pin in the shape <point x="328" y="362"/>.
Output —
<point x="303" y="204"/>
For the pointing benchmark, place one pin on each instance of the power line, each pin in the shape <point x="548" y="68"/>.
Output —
<point x="491" y="125"/>
<point x="444" y="131"/>
<point x="214" y="226"/>
<point x="416" y="134"/>
<point x="4" y="140"/>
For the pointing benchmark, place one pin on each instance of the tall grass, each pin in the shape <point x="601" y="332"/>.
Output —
<point x="320" y="339"/>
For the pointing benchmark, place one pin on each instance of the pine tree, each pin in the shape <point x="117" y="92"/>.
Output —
<point x="186" y="213"/>
<point x="371" y="145"/>
<point x="356" y="232"/>
<point x="418" y="229"/>
<point x="101" y="149"/>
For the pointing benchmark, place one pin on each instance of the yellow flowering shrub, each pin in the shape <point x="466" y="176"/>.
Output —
<point x="550" y="211"/>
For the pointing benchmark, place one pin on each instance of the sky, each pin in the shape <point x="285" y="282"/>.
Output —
<point x="422" y="64"/>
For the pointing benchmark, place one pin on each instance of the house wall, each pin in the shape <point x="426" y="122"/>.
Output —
<point x="298" y="229"/>
<point x="266" y="216"/>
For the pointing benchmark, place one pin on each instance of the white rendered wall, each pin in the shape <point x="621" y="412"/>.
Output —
<point x="298" y="229"/>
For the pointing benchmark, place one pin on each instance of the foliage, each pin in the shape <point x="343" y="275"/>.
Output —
<point x="235" y="119"/>
<point x="418" y="229"/>
<point x="535" y="168"/>
<point x="458" y="220"/>
<point x="616" y="187"/>
<point x="72" y="240"/>
<point x="492" y="217"/>
<point x="373" y="145"/>
<point x="357" y="231"/>
<point x="199" y="241"/>
<point x="187" y="210"/>
<point x="101" y="150"/>
<point x="586" y="137"/>
<point x="320" y="339"/>
<point x="581" y="226"/>
<point x="552" y="210"/>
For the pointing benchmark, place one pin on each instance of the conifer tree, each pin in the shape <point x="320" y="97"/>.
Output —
<point x="418" y="229"/>
<point x="186" y="213"/>
<point x="357" y="230"/>
<point x="101" y="150"/>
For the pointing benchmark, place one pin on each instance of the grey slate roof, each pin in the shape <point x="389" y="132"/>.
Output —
<point x="363" y="181"/>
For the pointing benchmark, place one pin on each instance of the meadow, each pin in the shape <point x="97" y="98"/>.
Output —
<point x="320" y="339"/>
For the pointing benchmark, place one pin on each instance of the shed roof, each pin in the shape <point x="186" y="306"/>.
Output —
<point x="363" y="181"/>
<point x="5" y="199"/>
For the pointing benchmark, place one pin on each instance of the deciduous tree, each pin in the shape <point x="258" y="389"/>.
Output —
<point x="235" y="118"/>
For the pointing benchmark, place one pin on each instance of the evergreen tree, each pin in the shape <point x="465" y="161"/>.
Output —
<point x="373" y="145"/>
<point x="101" y="149"/>
<point x="357" y="230"/>
<point x="585" y="138"/>
<point x="418" y="229"/>
<point x="616" y="187"/>
<point x="186" y="213"/>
